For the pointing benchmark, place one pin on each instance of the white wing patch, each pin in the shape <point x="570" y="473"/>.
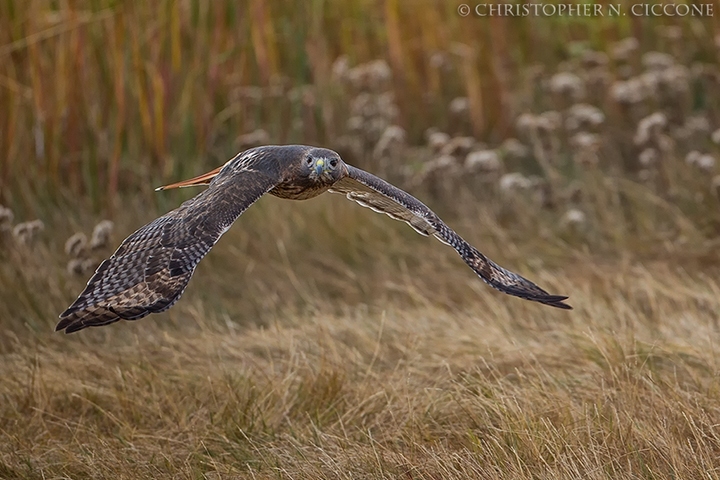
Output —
<point x="382" y="204"/>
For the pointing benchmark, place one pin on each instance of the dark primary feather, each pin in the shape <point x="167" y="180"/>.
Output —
<point x="373" y="192"/>
<point x="150" y="270"/>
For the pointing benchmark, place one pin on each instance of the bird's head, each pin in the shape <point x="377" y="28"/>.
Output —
<point x="322" y="165"/>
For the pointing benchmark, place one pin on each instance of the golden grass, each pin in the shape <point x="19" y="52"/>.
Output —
<point x="624" y="386"/>
<point x="101" y="95"/>
<point x="320" y="340"/>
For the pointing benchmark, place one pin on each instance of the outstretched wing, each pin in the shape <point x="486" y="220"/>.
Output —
<point x="150" y="270"/>
<point x="375" y="193"/>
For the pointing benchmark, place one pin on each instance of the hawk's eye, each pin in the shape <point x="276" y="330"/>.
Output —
<point x="309" y="161"/>
<point x="333" y="162"/>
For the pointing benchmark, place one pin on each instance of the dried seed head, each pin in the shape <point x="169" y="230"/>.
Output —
<point x="585" y="147"/>
<point x="340" y="68"/>
<point x="514" y="149"/>
<point x="80" y="266"/>
<point x="623" y="50"/>
<point x="692" y="157"/>
<point x="634" y="90"/>
<point x="459" y="146"/>
<point x="701" y="161"/>
<point x="706" y="163"/>
<point x="459" y="106"/>
<point x="698" y="124"/>
<point x="650" y="127"/>
<point x="364" y="105"/>
<point x="442" y="162"/>
<point x="26" y="232"/>
<point x="648" y="157"/>
<point x="695" y="129"/>
<point x="394" y="133"/>
<point x="567" y="85"/>
<point x="436" y="140"/>
<point x="585" y="141"/>
<point x="74" y="266"/>
<point x="440" y="60"/>
<point x="76" y="245"/>
<point x="391" y="142"/>
<point x="387" y="108"/>
<point x="379" y="71"/>
<point x="583" y="116"/>
<point x="6" y="217"/>
<point x="369" y="107"/>
<point x="513" y="182"/>
<point x="549" y="121"/>
<point x="657" y="61"/>
<point x="526" y="123"/>
<point x="483" y="161"/>
<point x="440" y="176"/>
<point x="573" y="218"/>
<point x="674" y="79"/>
<point x="542" y="192"/>
<point x="373" y="76"/>
<point x="441" y="168"/>
<point x="101" y="234"/>
<point x="592" y="59"/>
<point x="715" y="137"/>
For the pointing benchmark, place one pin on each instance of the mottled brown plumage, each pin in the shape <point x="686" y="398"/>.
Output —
<point x="150" y="270"/>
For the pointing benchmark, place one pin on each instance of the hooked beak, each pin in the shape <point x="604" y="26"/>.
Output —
<point x="321" y="166"/>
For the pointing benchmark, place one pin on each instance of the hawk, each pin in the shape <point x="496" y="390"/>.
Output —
<point x="150" y="270"/>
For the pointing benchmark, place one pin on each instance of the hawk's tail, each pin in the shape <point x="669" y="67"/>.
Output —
<point x="203" y="179"/>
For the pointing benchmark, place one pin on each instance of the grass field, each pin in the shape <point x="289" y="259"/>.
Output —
<point x="624" y="386"/>
<point x="319" y="339"/>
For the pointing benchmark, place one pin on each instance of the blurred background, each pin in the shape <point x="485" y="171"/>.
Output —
<point x="540" y="139"/>
<point x="319" y="339"/>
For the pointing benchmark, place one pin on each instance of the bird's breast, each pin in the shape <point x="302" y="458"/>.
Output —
<point x="298" y="192"/>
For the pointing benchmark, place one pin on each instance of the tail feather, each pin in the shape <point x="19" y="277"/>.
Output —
<point x="203" y="179"/>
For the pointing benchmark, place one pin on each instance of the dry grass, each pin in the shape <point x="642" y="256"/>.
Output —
<point x="624" y="386"/>
<point x="415" y="370"/>
<point x="319" y="340"/>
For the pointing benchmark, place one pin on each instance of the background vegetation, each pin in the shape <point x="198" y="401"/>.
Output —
<point x="319" y="340"/>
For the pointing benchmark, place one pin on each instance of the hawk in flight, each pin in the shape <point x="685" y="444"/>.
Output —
<point x="150" y="270"/>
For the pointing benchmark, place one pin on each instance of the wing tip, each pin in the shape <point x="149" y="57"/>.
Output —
<point x="73" y="320"/>
<point x="556" y="301"/>
<point x="69" y="324"/>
